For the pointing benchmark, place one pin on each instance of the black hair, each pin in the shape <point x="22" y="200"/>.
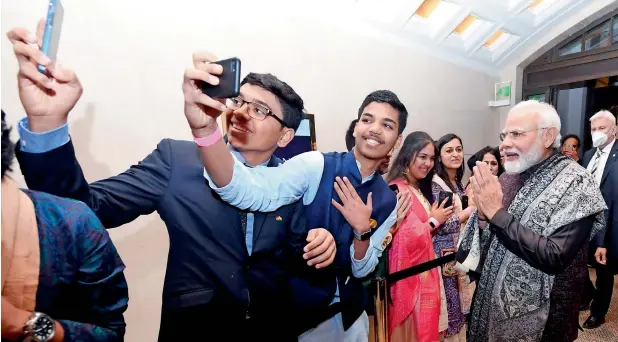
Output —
<point x="388" y="97"/>
<point x="478" y="156"/>
<point x="565" y="138"/>
<point x="350" y="141"/>
<point x="291" y="103"/>
<point x="412" y="145"/>
<point x="8" y="148"/>
<point x="441" y="170"/>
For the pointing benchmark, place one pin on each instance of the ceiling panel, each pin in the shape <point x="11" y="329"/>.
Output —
<point x="483" y="31"/>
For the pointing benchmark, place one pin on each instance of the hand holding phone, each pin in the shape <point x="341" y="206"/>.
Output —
<point x="202" y="110"/>
<point x="229" y="81"/>
<point x="440" y="211"/>
<point x="446" y="195"/>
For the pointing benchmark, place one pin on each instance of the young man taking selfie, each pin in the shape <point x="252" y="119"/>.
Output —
<point x="341" y="191"/>
<point x="228" y="270"/>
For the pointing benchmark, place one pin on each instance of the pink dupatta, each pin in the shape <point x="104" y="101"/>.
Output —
<point x="417" y="295"/>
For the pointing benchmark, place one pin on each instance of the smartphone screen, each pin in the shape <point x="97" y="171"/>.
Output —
<point x="53" y="26"/>
<point x="229" y="81"/>
<point x="464" y="202"/>
<point x="446" y="195"/>
<point x="394" y="188"/>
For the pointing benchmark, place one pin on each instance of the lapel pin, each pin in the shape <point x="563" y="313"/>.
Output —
<point x="278" y="218"/>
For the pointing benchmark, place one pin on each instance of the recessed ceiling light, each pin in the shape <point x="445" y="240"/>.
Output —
<point x="433" y="14"/>
<point x="538" y="6"/>
<point x="471" y="26"/>
<point x="493" y="42"/>
<point x="426" y="8"/>
<point x="465" y="24"/>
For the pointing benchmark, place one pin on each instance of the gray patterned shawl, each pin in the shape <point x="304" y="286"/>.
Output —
<point x="512" y="299"/>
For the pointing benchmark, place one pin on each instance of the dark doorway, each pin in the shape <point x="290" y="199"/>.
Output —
<point x="601" y="95"/>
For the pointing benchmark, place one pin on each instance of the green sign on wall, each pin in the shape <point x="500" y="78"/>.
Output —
<point x="503" y="91"/>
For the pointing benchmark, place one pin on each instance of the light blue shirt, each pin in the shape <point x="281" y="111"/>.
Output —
<point x="269" y="188"/>
<point x="31" y="142"/>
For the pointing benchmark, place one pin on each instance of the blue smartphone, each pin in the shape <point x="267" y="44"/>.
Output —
<point x="53" y="26"/>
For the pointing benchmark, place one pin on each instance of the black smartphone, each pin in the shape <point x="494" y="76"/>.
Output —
<point x="394" y="188"/>
<point x="464" y="201"/>
<point x="229" y="80"/>
<point x="445" y="195"/>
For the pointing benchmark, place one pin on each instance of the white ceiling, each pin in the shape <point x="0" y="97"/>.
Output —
<point x="396" y="21"/>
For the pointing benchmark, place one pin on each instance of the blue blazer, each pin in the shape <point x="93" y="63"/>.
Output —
<point x="208" y="265"/>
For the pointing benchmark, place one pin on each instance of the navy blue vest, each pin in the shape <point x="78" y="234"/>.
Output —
<point x="322" y="214"/>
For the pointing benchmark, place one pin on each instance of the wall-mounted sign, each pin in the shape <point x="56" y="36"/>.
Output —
<point x="502" y="95"/>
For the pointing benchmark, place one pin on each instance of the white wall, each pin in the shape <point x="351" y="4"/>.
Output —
<point x="545" y="40"/>
<point x="130" y="56"/>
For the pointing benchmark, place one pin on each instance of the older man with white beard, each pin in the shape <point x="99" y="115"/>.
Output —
<point x="529" y="237"/>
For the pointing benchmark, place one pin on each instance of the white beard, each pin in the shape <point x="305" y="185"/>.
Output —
<point x="525" y="161"/>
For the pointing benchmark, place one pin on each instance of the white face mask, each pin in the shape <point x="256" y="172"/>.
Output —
<point x="599" y="138"/>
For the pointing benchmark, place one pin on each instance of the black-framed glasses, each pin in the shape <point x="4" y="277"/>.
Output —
<point x="257" y="110"/>
<point x="514" y="135"/>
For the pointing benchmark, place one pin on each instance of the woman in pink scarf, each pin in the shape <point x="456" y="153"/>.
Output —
<point x="416" y="301"/>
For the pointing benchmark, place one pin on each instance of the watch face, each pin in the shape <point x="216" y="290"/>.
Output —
<point x="43" y="328"/>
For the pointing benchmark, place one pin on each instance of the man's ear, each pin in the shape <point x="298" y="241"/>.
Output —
<point x="551" y="135"/>
<point x="399" y="141"/>
<point x="286" y="137"/>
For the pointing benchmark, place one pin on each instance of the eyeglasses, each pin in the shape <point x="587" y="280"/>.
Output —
<point x="257" y="111"/>
<point x="514" y="135"/>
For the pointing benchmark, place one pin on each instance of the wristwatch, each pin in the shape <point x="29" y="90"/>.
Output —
<point x="362" y="237"/>
<point x="39" y="328"/>
<point x="366" y="235"/>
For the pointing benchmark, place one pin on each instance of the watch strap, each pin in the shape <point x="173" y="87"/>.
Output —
<point x="434" y="223"/>
<point x="362" y="237"/>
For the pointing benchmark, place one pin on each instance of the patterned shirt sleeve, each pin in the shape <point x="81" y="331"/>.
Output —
<point x="101" y="284"/>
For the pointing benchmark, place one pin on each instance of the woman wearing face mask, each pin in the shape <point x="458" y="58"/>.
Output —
<point x="418" y="311"/>
<point x="457" y="285"/>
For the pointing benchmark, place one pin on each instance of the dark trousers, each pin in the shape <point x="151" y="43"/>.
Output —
<point x="601" y="295"/>
<point x="204" y="323"/>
